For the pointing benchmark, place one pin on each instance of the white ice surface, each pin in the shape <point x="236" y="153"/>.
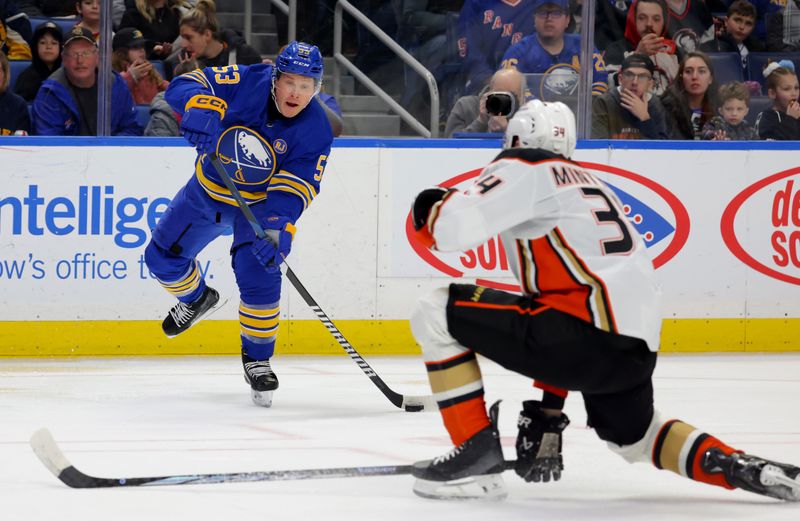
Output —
<point x="150" y="417"/>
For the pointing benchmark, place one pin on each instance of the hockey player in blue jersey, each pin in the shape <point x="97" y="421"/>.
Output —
<point x="274" y="144"/>
<point x="554" y="54"/>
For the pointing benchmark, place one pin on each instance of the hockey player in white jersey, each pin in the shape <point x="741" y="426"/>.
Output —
<point x="586" y="320"/>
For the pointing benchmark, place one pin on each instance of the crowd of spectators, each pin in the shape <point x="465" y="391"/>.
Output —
<point x="57" y="93"/>
<point x="654" y="61"/>
<point x="661" y="69"/>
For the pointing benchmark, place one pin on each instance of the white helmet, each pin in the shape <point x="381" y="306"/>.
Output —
<point x="549" y="126"/>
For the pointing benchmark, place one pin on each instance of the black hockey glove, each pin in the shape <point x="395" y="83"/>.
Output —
<point x="423" y="204"/>
<point x="539" y="444"/>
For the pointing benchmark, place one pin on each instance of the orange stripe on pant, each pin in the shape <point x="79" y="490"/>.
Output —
<point x="504" y="307"/>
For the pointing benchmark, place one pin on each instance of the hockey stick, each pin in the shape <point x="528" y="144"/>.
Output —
<point x="50" y="454"/>
<point x="406" y="402"/>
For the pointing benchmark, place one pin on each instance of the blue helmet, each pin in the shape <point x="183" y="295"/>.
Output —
<point x="302" y="59"/>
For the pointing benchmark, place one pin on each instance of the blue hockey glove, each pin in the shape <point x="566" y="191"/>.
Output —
<point x="201" y="121"/>
<point x="539" y="443"/>
<point x="272" y="250"/>
<point x="199" y="127"/>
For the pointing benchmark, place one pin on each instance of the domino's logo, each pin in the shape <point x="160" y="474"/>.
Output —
<point x="761" y="226"/>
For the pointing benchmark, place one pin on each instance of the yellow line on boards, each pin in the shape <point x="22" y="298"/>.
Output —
<point x="369" y="337"/>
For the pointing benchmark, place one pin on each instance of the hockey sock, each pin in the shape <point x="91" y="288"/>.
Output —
<point x="458" y="388"/>
<point x="258" y="327"/>
<point x="679" y="447"/>
<point x="189" y="287"/>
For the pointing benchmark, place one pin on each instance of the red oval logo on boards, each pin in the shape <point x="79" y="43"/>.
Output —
<point x="776" y="198"/>
<point x="492" y="256"/>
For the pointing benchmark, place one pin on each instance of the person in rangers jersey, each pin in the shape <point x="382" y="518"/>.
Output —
<point x="586" y="319"/>
<point x="274" y="144"/>
<point x="486" y="28"/>
<point x="553" y="54"/>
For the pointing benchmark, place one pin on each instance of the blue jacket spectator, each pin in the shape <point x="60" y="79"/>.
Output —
<point x="56" y="113"/>
<point x="486" y="29"/>
<point x="13" y="109"/>
<point x="66" y="104"/>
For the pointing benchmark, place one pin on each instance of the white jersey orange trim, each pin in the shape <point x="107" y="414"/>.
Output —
<point x="569" y="242"/>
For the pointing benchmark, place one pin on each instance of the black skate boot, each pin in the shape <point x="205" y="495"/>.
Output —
<point x="470" y="471"/>
<point x="183" y="316"/>
<point x="262" y="380"/>
<point x="755" y="474"/>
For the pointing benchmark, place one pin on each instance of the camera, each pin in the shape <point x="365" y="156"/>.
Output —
<point x="501" y="103"/>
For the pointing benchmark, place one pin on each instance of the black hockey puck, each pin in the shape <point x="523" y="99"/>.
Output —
<point x="414" y="408"/>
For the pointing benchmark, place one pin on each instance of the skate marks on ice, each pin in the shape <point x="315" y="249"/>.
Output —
<point x="153" y="417"/>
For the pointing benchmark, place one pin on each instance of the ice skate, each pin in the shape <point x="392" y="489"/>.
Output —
<point x="755" y="474"/>
<point x="262" y="380"/>
<point x="183" y="316"/>
<point x="470" y="471"/>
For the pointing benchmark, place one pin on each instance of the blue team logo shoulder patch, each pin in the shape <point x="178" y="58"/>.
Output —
<point x="280" y="146"/>
<point x="247" y="156"/>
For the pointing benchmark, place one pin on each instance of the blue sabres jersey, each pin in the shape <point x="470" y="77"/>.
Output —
<point x="562" y="70"/>
<point x="486" y="29"/>
<point x="265" y="153"/>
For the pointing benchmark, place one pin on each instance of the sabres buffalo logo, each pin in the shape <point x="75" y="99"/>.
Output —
<point x="246" y="155"/>
<point x="558" y="81"/>
<point x="686" y="39"/>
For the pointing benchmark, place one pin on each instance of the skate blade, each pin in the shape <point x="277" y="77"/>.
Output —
<point x="489" y="487"/>
<point x="261" y="398"/>
<point x="772" y="476"/>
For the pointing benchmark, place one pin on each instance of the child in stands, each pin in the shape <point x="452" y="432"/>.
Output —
<point x="782" y="121"/>
<point x="730" y="125"/>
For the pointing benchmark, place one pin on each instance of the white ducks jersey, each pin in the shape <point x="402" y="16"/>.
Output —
<point x="568" y="242"/>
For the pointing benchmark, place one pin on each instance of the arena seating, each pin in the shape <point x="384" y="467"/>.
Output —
<point x="727" y="67"/>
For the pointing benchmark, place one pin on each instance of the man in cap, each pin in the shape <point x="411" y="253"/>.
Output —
<point x="554" y="54"/>
<point x="66" y="104"/>
<point x="630" y="111"/>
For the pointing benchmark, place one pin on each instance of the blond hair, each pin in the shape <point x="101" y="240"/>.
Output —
<point x="149" y="12"/>
<point x="202" y="18"/>
<point x="734" y="90"/>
